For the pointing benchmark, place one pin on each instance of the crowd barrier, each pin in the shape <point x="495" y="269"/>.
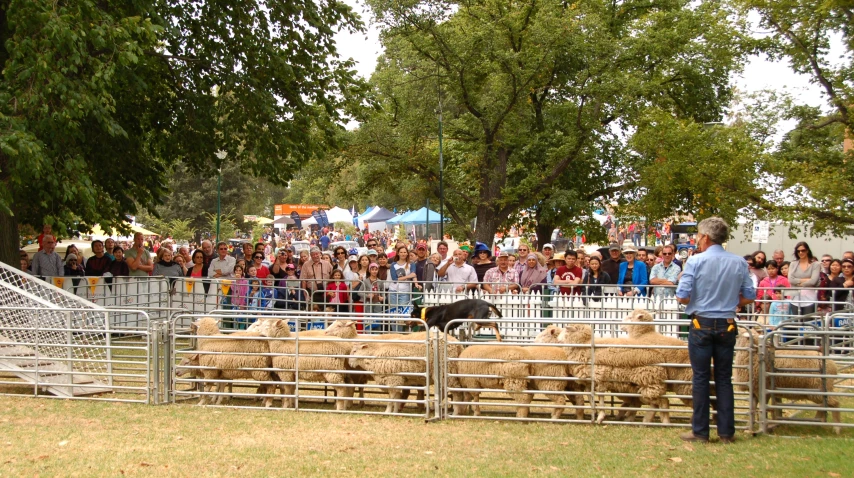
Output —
<point x="75" y="354"/>
<point x="393" y="369"/>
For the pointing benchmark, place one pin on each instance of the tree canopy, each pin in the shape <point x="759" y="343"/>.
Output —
<point x="538" y="97"/>
<point x="99" y="100"/>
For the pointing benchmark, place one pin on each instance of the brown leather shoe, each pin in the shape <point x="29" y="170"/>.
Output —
<point x="727" y="439"/>
<point x="691" y="437"/>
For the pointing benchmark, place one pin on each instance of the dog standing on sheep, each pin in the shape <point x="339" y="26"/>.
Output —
<point x="439" y="316"/>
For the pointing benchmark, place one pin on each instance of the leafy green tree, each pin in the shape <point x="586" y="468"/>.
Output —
<point x="536" y="97"/>
<point x="100" y="100"/>
<point x="686" y="168"/>
<point x="810" y="172"/>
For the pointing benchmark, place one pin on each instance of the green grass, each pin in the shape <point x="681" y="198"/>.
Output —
<point x="80" y="438"/>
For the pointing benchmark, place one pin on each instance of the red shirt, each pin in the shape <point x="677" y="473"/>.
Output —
<point x="341" y="287"/>
<point x="565" y="273"/>
<point x="262" y="272"/>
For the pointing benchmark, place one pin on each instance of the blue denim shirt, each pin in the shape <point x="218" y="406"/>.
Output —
<point x="713" y="281"/>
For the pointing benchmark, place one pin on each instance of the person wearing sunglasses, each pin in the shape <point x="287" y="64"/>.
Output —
<point x="804" y="272"/>
<point x="845" y="298"/>
<point x="665" y="273"/>
<point x="257" y="261"/>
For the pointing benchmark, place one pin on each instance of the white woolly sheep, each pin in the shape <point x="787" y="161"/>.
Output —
<point x="806" y="362"/>
<point x="557" y="370"/>
<point x="512" y="373"/>
<point x="385" y="362"/>
<point x="234" y="358"/>
<point x="308" y="363"/>
<point x="617" y="370"/>
<point x="638" y="325"/>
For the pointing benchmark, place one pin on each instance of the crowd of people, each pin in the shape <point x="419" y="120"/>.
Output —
<point x="272" y="273"/>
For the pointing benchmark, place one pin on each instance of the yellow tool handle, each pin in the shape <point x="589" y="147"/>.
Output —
<point x="696" y="324"/>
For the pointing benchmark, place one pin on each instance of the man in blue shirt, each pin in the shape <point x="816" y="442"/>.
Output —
<point x="713" y="285"/>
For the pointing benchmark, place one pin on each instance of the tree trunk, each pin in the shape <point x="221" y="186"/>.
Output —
<point x="10" y="240"/>
<point x="487" y="224"/>
<point x="544" y="233"/>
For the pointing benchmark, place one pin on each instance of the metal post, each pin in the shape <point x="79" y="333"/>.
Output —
<point x="427" y="221"/>
<point x="441" y="166"/>
<point x="218" y="202"/>
<point x="221" y="156"/>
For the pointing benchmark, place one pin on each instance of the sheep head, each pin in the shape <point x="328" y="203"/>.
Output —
<point x="748" y="339"/>
<point x="206" y="326"/>
<point x="549" y="336"/>
<point x="275" y="328"/>
<point x="345" y="329"/>
<point x="638" y="322"/>
<point x="576" y="334"/>
<point x="257" y="326"/>
<point x="188" y="360"/>
<point x="356" y="351"/>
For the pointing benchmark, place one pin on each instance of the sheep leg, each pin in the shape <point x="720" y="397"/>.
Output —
<point x="220" y="388"/>
<point x="629" y="415"/>
<point x="458" y="397"/>
<point x="393" y="394"/>
<point x="837" y="418"/>
<point x="663" y="404"/>
<point x="475" y="398"/>
<point x="336" y="379"/>
<point x="579" y="406"/>
<point x="560" y="401"/>
<point x="288" y="390"/>
<point x="601" y="417"/>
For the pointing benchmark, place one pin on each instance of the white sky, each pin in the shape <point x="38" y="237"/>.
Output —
<point x="759" y="74"/>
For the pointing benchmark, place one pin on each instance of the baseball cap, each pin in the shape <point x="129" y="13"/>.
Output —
<point x="374" y="265"/>
<point x="352" y="259"/>
<point x="372" y="252"/>
<point x="550" y="246"/>
<point x="503" y="254"/>
<point x="421" y="245"/>
<point x="614" y="246"/>
<point x="290" y="266"/>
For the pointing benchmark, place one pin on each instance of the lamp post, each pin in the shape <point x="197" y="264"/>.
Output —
<point x="441" y="168"/>
<point x="221" y="155"/>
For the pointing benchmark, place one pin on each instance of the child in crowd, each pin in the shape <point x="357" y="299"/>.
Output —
<point x="336" y="292"/>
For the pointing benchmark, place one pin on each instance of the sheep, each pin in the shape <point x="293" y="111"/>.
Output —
<point x="250" y="361"/>
<point x="558" y="370"/>
<point x="189" y="363"/>
<point x="749" y="342"/>
<point x="638" y="325"/>
<point x="287" y="364"/>
<point x="511" y="369"/>
<point x="386" y="363"/>
<point x="617" y="370"/>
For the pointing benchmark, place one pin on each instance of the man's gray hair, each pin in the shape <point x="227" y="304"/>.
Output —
<point x="715" y="229"/>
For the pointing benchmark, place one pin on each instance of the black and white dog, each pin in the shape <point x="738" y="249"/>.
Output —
<point x="439" y="316"/>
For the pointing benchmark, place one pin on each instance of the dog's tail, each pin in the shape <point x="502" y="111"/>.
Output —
<point x="495" y="309"/>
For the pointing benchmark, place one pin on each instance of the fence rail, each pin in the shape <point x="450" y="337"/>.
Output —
<point x="152" y="354"/>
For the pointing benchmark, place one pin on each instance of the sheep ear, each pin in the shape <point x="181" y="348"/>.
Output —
<point x="350" y="323"/>
<point x="194" y="357"/>
<point x="554" y="331"/>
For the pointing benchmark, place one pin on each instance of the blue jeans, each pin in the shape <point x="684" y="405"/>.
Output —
<point x="714" y="340"/>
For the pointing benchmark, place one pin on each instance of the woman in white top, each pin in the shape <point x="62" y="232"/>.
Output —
<point x="401" y="277"/>
<point x="804" y="272"/>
